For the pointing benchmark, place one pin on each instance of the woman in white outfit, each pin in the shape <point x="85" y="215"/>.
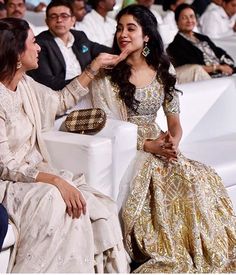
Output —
<point x="63" y="225"/>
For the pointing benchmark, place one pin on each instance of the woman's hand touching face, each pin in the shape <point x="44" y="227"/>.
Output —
<point x="108" y="61"/>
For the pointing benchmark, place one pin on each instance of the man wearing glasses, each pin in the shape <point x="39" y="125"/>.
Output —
<point x="64" y="52"/>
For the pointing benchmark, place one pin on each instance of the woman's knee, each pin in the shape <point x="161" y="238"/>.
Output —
<point x="50" y="194"/>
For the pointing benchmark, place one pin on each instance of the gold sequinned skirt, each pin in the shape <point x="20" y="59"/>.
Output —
<point x="179" y="218"/>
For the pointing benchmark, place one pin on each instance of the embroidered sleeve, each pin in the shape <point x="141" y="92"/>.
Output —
<point x="171" y="106"/>
<point x="10" y="168"/>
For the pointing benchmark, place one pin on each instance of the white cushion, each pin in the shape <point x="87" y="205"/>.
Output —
<point x="124" y="146"/>
<point x="219" y="153"/>
<point x="77" y="153"/>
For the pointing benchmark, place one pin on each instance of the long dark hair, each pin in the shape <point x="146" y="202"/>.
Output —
<point x="13" y="34"/>
<point x="157" y="58"/>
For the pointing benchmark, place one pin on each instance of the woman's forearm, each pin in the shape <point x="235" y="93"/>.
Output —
<point x="89" y="73"/>
<point x="175" y="129"/>
<point x="47" y="178"/>
<point x="176" y="133"/>
<point x="211" y="69"/>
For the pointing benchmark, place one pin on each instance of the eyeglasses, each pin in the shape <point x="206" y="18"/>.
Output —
<point x="63" y="16"/>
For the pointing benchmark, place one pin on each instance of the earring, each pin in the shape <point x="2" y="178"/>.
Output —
<point x="18" y="65"/>
<point x="146" y="50"/>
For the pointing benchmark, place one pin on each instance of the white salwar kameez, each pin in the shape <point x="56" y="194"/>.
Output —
<point x="49" y="240"/>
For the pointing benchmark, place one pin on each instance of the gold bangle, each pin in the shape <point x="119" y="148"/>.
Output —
<point x="89" y="75"/>
<point x="90" y="70"/>
<point x="214" y="68"/>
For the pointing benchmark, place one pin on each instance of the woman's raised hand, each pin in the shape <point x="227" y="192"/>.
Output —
<point x="106" y="60"/>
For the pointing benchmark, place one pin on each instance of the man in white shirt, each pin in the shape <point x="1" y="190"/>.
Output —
<point x="17" y="9"/>
<point x="79" y="10"/>
<point x="149" y="4"/>
<point x="214" y="4"/>
<point x="97" y="25"/>
<point x="220" y="21"/>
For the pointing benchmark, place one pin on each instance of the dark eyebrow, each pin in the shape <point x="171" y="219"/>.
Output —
<point x="129" y="24"/>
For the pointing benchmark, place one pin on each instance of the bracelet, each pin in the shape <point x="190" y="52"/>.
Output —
<point x="214" y="67"/>
<point x="89" y="75"/>
<point x="91" y="71"/>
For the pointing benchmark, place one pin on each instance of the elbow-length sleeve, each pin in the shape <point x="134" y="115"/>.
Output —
<point x="11" y="167"/>
<point x="171" y="106"/>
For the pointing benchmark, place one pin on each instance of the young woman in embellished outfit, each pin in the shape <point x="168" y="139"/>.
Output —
<point x="176" y="213"/>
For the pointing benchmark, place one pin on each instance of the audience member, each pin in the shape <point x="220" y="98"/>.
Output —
<point x="3" y="224"/>
<point x="200" y="6"/>
<point x="64" y="225"/>
<point x="212" y="6"/>
<point x="36" y="5"/>
<point x="17" y="9"/>
<point x="189" y="47"/>
<point x="3" y="11"/>
<point x="220" y="21"/>
<point x="149" y="4"/>
<point x="79" y="10"/>
<point x="177" y="215"/>
<point x="97" y="25"/>
<point x="64" y="52"/>
<point x="169" y="28"/>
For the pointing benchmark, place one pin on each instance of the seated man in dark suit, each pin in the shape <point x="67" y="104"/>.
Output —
<point x="64" y="52"/>
<point x="3" y="224"/>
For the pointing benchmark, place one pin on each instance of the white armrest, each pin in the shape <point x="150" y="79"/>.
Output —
<point x="123" y="137"/>
<point x="77" y="153"/>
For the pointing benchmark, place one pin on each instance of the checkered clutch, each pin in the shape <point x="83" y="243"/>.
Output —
<point x="86" y="121"/>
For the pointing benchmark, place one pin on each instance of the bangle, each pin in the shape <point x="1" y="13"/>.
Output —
<point x="91" y="71"/>
<point x="89" y="75"/>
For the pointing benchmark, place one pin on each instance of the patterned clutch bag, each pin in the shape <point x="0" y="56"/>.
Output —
<point x="86" y="121"/>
